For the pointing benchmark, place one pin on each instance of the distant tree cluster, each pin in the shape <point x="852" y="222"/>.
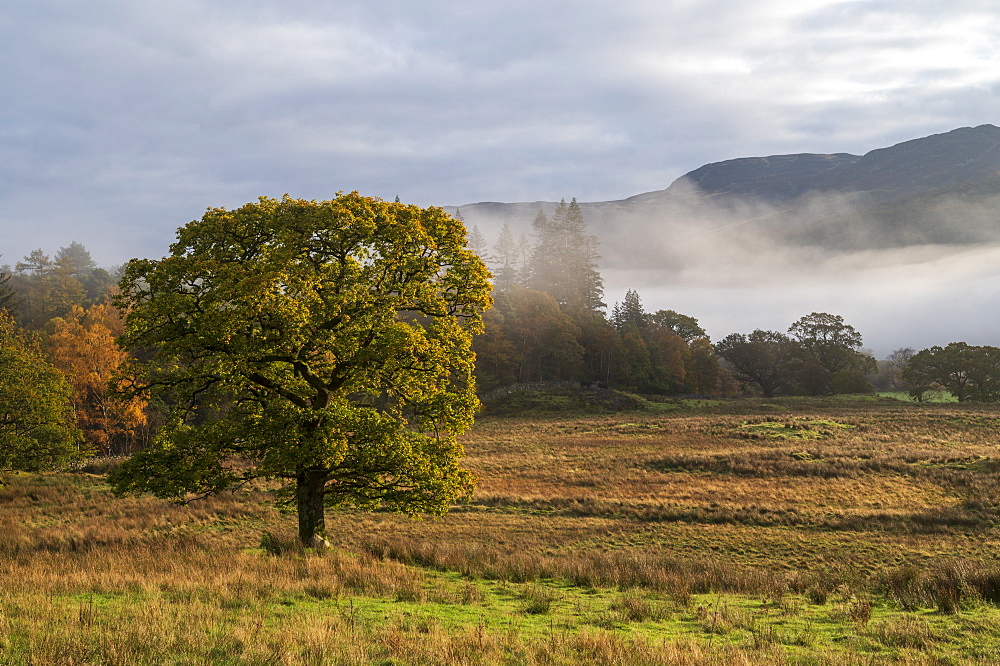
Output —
<point x="40" y="288"/>
<point x="968" y="372"/>
<point x="561" y="261"/>
<point x="549" y="323"/>
<point x="62" y="304"/>
<point x="819" y="355"/>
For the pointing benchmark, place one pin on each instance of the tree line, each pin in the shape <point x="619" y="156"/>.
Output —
<point x="549" y="322"/>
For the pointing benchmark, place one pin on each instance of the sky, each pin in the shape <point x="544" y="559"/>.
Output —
<point x="122" y="120"/>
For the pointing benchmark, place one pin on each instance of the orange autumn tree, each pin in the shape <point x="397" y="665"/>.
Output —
<point x="82" y="346"/>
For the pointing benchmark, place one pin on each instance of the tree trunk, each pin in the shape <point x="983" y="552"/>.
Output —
<point x="309" y="488"/>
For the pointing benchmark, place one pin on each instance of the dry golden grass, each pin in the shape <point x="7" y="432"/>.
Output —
<point x="906" y="484"/>
<point x="900" y="508"/>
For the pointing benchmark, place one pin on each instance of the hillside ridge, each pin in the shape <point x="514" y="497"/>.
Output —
<point x="934" y="189"/>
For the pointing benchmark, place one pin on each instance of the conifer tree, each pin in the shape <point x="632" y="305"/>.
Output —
<point x="542" y="269"/>
<point x="585" y="288"/>
<point x="74" y="262"/>
<point x="8" y="297"/>
<point x="524" y="257"/>
<point x="477" y="242"/>
<point x="564" y="260"/>
<point x="504" y="262"/>
<point x="49" y="287"/>
<point x="629" y="314"/>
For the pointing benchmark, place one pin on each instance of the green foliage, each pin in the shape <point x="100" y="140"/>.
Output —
<point x="831" y="343"/>
<point x="37" y="430"/>
<point x="701" y="372"/>
<point x="46" y="287"/>
<point x="629" y="314"/>
<point x="821" y="357"/>
<point x="683" y="325"/>
<point x="968" y="372"/>
<point x="761" y="358"/>
<point x="566" y="401"/>
<point x="850" y="380"/>
<point x="324" y="343"/>
<point x="655" y="358"/>
<point x="529" y="338"/>
<point x="793" y="429"/>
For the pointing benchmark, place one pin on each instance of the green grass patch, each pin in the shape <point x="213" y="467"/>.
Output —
<point x="930" y="396"/>
<point x="564" y="401"/>
<point x="795" y="624"/>
<point x="810" y="429"/>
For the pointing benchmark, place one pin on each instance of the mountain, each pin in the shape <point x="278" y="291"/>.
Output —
<point x="774" y="178"/>
<point x="939" y="189"/>
<point x="962" y="155"/>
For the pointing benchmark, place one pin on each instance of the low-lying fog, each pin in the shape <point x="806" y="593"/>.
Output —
<point x="916" y="297"/>
<point x="737" y="266"/>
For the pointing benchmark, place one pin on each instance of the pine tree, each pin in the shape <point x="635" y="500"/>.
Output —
<point x="564" y="260"/>
<point x="584" y="283"/>
<point x="524" y="257"/>
<point x="542" y="269"/>
<point x="48" y="289"/>
<point x="75" y="260"/>
<point x="504" y="262"/>
<point x="8" y="296"/>
<point x="629" y="315"/>
<point x="477" y="242"/>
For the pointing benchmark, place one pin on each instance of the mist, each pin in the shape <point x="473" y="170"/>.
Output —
<point x="739" y="263"/>
<point x="916" y="302"/>
<point x="737" y="266"/>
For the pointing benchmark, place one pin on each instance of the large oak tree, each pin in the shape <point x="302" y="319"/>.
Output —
<point x="323" y="343"/>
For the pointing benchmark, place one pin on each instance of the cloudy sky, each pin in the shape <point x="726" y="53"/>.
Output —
<point x="122" y="120"/>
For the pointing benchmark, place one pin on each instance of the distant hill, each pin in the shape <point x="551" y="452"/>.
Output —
<point x="943" y="188"/>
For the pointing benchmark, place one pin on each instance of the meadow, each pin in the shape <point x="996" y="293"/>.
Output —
<point x="852" y="530"/>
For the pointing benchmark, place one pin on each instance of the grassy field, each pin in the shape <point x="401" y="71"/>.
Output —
<point x="841" y="531"/>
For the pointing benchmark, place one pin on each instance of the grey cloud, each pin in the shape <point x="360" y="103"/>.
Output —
<point x="125" y="120"/>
